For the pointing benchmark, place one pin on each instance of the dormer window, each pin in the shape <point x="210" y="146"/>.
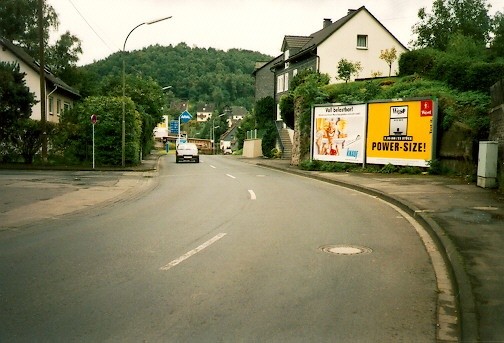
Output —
<point x="362" y="41"/>
<point x="286" y="57"/>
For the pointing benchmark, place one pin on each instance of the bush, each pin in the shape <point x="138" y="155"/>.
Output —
<point x="417" y="62"/>
<point x="463" y="72"/>
<point x="74" y="137"/>
<point x="434" y="167"/>
<point x="410" y="170"/>
<point x="269" y="137"/>
<point x="388" y="169"/>
<point x="309" y="165"/>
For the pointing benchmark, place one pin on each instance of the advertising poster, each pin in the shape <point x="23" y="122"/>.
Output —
<point x="401" y="132"/>
<point x="339" y="133"/>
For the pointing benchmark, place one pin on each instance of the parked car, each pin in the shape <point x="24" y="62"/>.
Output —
<point x="227" y="151"/>
<point x="187" y="152"/>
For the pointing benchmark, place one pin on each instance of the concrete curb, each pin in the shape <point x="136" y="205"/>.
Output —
<point x="466" y="329"/>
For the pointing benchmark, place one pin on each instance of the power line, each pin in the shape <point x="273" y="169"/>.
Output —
<point x="91" y="27"/>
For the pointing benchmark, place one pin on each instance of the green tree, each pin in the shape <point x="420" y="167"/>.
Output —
<point x="26" y="137"/>
<point x="464" y="47"/>
<point x="16" y="100"/>
<point x="149" y="101"/>
<point x="265" y="111"/>
<point x="466" y="17"/>
<point x="19" y="23"/>
<point x="308" y="92"/>
<point x="74" y="138"/>
<point x="287" y="109"/>
<point x="347" y="68"/>
<point x="63" y="55"/>
<point x="497" y="44"/>
<point x="264" y="114"/>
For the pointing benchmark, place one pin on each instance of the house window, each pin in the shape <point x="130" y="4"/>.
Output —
<point x="362" y="41"/>
<point x="58" y="107"/>
<point x="280" y="84"/>
<point x="294" y="72"/>
<point x="66" y="106"/>
<point x="283" y="83"/>
<point x="51" y="105"/>
<point x="286" y="57"/>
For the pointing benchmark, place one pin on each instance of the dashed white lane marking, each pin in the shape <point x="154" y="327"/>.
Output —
<point x="252" y="195"/>
<point x="231" y="176"/>
<point x="214" y="167"/>
<point x="192" y="252"/>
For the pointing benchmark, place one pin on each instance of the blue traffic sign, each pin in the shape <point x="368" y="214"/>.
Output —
<point x="185" y="117"/>
<point x="174" y="126"/>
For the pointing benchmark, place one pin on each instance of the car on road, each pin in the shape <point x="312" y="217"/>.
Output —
<point x="187" y="152"/>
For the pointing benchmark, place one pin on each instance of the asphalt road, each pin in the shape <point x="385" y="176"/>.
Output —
<point x="220" y="251"/>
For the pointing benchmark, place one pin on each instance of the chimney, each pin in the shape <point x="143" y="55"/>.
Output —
<point x="327" y="22"/>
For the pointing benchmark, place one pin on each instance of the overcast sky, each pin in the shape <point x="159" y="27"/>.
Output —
<point x="257" y="25"/>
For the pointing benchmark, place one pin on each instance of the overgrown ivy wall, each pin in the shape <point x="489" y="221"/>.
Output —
<point x="497" y="127"/>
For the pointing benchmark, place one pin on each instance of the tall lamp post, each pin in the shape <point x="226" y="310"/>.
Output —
<point x="124" y="87"/>
<point x="213" y="130"/>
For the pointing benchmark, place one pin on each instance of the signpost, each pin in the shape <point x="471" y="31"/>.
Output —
<point x="94" y="119"/>
<point x="184" y="117"/>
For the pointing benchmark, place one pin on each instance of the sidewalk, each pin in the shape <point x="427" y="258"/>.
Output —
<point x="28" y="196"/>
<point x="467" y="223"/>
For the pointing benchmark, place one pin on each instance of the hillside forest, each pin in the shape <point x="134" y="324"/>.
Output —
<point x="199" y="75"/>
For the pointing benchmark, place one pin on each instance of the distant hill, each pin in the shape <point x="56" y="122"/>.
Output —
<point x="196" y="74"/>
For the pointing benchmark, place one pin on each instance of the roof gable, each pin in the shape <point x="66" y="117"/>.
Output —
<point x="320" y="36"/>
<point x="294" y="42"/>
<point x="206" y="108"/>
<point x="33" y="64"/>
<point x="263" y="65"/>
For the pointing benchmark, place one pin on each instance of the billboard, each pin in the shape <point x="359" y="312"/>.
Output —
<point x="401" y="132"/>
<point x="338" y="132"/>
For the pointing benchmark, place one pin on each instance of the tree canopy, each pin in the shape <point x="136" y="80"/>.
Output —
<point x="17" y="100"/>
<point x="19" y="24"/>
<point x="469" y="18"/>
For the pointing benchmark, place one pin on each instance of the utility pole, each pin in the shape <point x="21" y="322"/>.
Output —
<point x="43" y="116"/>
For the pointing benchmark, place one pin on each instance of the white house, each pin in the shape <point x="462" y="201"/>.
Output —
<point x="356" y="37"/>
<point x="204" y="112"/>
<point x="59" y="95"/>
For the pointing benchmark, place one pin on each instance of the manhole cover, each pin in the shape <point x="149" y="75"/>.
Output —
<point x="345" y="249"/>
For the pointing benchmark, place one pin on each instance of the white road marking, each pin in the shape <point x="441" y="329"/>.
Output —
<point x="252" y="195"/>
<point x="214" y="167"/>
<point x="231" y="176"/>
<point x="193" y="252"/>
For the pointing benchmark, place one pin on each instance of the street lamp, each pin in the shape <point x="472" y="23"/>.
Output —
<point x="213" y="130"/>
<point x="124" y="86"/>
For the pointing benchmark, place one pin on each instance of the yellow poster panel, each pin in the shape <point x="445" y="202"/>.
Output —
<point x="401" y="132"/>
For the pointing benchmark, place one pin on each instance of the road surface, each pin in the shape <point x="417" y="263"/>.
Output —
<point x="221" y="251"/>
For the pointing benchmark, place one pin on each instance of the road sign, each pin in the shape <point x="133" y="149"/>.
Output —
<point x="185" y="117"/>
<point x="174" y="128"/>
<point x="94" y="118"/>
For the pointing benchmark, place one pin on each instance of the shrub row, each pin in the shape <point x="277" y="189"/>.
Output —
<point x="457" y="71"/>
